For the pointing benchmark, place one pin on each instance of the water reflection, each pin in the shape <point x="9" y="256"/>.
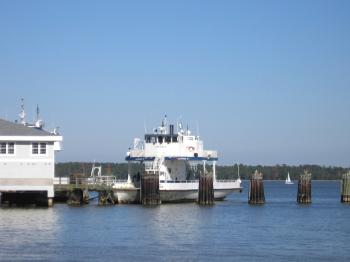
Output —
<point x="27" y="233"/>
<point x="176" y="225"/>
<point x="230" y="230"/>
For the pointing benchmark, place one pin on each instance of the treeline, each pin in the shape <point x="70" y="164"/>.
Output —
<point x="278" y="172"/>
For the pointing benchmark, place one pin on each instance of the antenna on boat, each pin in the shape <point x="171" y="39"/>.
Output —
<point x="165" y="124"/>
<point x="144" y="125"/>
<point x="165" y="120"/>
<point x="197" y="125"/>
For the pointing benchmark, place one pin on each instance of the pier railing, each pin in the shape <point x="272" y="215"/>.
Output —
<point x="98" y="182"/>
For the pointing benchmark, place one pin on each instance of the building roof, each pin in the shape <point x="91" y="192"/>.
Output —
<point x="14" y="129"/>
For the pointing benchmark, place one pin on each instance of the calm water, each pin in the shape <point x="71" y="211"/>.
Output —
<point x="230" y="231"/>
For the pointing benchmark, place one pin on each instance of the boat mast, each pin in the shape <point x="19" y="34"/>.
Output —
<point x="238" y="170"/>
<point x="214" y="171"/>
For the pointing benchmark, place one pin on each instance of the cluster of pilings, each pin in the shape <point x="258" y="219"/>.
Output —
<point x="149" y="191"/>
<point x="304" y="188"/>
<point x="78" y="196"/>
<point x="205" y="189"/>
<point x="345" y="188"/>
<point x="256" y="193"/>
<point x="107" y="197"/>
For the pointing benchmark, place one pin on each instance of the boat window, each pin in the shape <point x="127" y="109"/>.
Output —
<point x="153" y="139"/>
<point x="169" y="170"/>
<point x="148" y="139"/>
<point x="174" y="139"/>
<point x="168" y="139"/>
<point x="160" y="139"/>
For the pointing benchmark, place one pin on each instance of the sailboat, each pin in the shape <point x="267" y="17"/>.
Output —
<point x="288" y="181"/>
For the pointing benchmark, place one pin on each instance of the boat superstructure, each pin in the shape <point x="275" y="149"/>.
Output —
<point x="177" y="156"/>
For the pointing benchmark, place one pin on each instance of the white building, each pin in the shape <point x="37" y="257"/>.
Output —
<point x="27" y="158"/>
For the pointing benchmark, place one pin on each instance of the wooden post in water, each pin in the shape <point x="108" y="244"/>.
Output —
<point x="205" y="189"/>
<point x="304" y="188"/>
<point x="150" y="194"/>
<point x="75" y="197"/>
<point x="106" y="197"/>
<point x="256" y="189"/>
<point x="86" y="198"/>
<point x="345" y="188"/>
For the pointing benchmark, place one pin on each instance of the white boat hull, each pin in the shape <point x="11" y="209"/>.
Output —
<point x="176" y="192"/>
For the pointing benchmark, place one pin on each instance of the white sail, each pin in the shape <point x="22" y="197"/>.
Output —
<point x="288" y="181"/>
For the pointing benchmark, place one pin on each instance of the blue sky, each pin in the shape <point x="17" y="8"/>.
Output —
<point x="267" y="81"/>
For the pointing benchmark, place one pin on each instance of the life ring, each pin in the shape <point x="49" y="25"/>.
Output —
<point x="190" y="148"/>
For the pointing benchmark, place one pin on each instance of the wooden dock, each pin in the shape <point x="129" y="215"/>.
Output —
<point x="75" y="191"/>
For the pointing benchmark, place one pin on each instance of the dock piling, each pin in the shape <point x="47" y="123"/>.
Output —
<point x="86" y="197"/>
<point x="256" y="189"/>
<point x="205" y="189"/>
<point x="106" y="197"/>
<point x="304" y="188"/>
<point x="345" y="188"/>
<point x="150" y="194"/>
<point x="75" y="197"/>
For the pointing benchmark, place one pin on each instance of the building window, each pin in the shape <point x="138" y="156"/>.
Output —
<point x="7" y="148"/>
<point x="43" y="148"/>
<point x="3" y="148"/>
<point x="35" y="148"/>
<point x="11" y="148"/>
<point x="39" y="148"/>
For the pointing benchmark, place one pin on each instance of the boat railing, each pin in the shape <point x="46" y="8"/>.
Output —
<point x="121" y="181"/>
<point x="137" y="153"/>
<point x="226" y="180"/>
<point x="210" y="154"/>
<point x="196" y="181"/>
<point x="178" y="181"/>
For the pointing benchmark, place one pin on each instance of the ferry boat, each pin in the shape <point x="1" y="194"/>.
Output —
<point x="177" y="157"/>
